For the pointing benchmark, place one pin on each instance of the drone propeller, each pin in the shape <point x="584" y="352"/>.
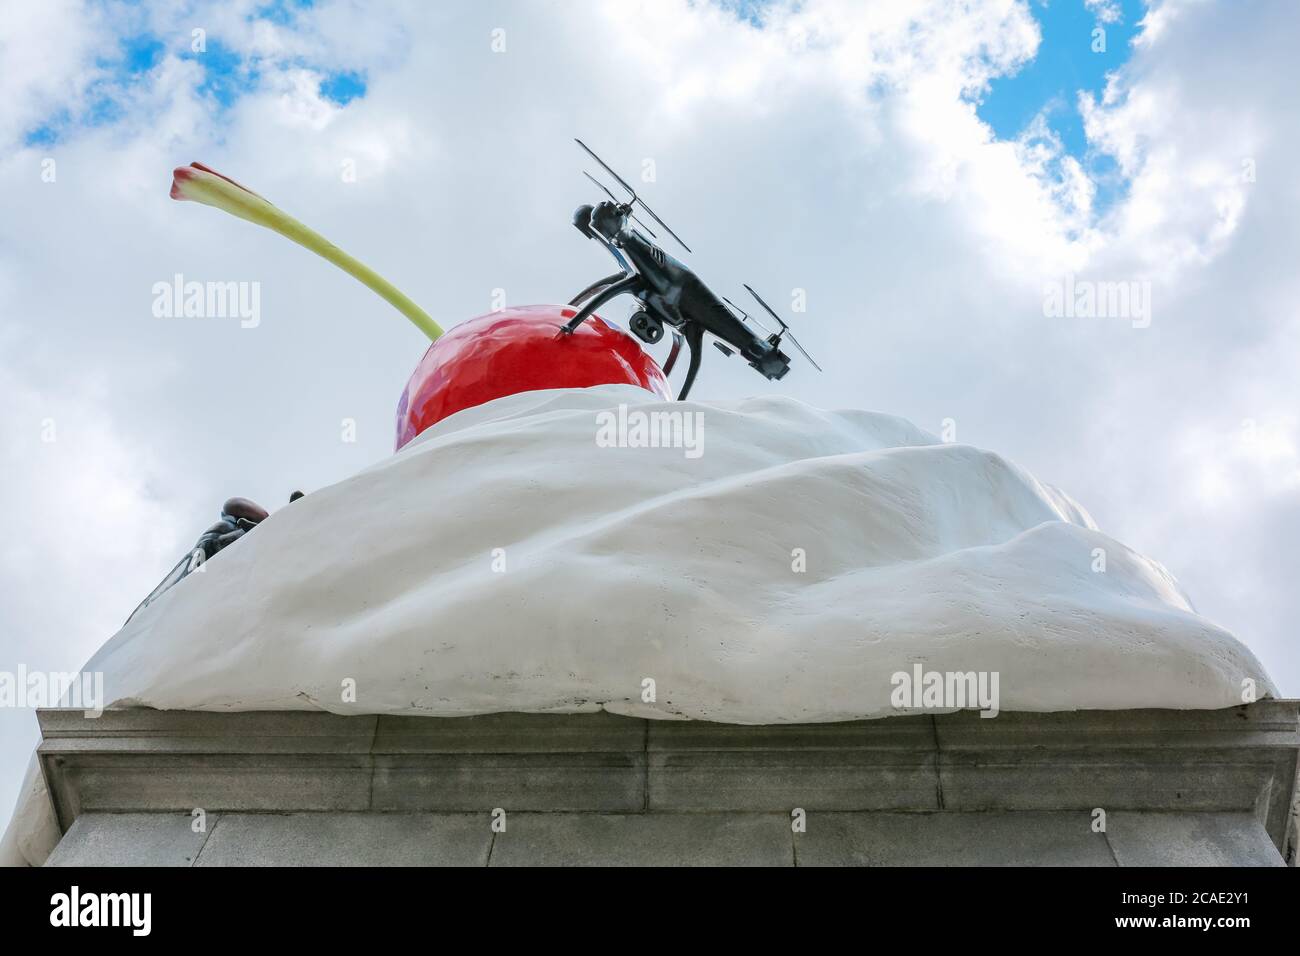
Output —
<point x="635" y="199"/>
<point x="615" y="198"/>
<point x="746" y="316"/>
<point x="785" y="329"/>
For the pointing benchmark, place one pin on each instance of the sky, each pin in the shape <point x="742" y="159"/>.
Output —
<point x="923" y="173"/>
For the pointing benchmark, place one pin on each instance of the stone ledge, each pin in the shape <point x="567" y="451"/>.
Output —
<point x="1018" y="838"/>
<point x="1230" y="772"/>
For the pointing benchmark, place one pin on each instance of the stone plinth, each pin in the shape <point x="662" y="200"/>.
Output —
<point x="1176" y="787"/>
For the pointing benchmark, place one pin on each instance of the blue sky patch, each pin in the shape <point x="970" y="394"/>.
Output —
<point x="343" y="88"/>
<point x="1049" y="84"/>
<point x="141" y="53"/>
<point x="1066" y="63"/>
<point x="47" y="134"/>
<point x="227" y="75"/>
<point x="750" y="11"/>
<point x="281" y="12"/>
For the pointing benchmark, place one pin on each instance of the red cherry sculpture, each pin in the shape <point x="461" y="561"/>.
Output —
<point x="520" y="350"/>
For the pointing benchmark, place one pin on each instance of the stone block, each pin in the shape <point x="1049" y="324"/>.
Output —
<point x="650" y="839"/>
<point x="131" y="839"/>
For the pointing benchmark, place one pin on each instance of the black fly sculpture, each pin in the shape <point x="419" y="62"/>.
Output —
<point x="668" y="292"/>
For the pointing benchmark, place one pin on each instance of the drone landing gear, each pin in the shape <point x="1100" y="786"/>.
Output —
<point x="629" y="284"/>
<point x="603" y="290"/>
<point x="694" y="333"/>
<point x="595" y="287"/>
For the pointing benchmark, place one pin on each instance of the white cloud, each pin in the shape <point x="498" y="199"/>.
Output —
<point x="1106" y="11"/>
<point x="91" y="523"/>
<point x="48" y="50"/>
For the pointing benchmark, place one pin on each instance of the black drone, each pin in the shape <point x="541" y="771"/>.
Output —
<point x="669" y="292"/>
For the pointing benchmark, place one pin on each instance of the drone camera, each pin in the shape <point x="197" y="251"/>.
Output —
<point x="646" y="327"/>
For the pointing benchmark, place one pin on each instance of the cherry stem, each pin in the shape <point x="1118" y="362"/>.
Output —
<point x="209" y="187"/>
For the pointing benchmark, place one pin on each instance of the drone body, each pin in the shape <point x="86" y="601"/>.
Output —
<point x="669" y="292"/>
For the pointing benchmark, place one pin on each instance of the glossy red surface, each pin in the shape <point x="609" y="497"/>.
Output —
<point x="520" y="350"/>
